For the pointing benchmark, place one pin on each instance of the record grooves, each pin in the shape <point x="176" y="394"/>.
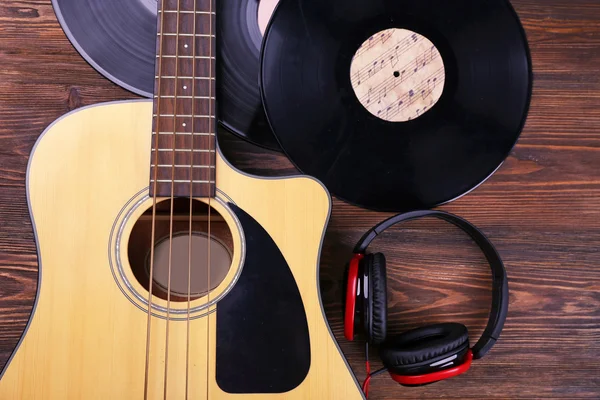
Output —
<point x="118" y="38"/>
<point x="438" y="156"/>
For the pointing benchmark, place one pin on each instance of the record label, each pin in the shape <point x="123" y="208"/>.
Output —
<point x="397" y="75"/>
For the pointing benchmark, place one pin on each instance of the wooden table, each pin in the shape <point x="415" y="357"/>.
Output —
<point x="541" y="209"/>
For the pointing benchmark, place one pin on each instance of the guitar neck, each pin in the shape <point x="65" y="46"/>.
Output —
<point x="184" y="121"/>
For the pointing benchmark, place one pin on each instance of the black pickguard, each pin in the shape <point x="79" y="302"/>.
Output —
<point x="263" y="343"/>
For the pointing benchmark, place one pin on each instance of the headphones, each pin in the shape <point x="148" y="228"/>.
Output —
<point x="430" y="353"/>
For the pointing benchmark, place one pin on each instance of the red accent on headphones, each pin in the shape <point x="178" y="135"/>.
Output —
<point x="351" y="296"/>
<point x="442" y="340"/>
<point x="435" y="376"/>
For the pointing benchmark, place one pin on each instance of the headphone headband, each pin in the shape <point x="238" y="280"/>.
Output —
<point x="499" y="280"/>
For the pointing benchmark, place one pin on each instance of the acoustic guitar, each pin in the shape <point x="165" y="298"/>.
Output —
<point x="165" y="273"/>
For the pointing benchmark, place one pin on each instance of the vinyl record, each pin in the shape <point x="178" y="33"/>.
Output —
<point x="396" y="104"/>
<point x="118" y="38"/>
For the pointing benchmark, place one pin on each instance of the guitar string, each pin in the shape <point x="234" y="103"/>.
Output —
<point x="172" y="201"/>
<point x="155" y="176"/>
<point x="187" y="346"/>
<point x="211" y="138"/>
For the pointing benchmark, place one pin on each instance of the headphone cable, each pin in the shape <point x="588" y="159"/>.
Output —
<point x="365" y="386"/>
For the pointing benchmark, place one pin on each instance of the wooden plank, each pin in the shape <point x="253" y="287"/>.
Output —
<point x="542" y="210"/>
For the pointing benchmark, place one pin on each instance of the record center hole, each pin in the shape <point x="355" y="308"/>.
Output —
<point x="397" y="75"/>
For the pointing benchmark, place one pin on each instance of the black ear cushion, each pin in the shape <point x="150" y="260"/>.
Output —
<point x="378" y="278"/>
<point x="400" y="353"/>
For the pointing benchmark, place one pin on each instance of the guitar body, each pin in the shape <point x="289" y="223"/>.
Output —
<point x="86" y="339"/>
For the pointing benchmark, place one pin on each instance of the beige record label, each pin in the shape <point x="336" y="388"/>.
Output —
<point x="397" y="75"/>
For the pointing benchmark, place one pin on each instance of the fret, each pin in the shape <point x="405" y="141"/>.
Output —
<point x="182" y="116"/>
<point x="187" y="86"/>
<point x="186" y="57"/>
<point x="183" y="174"/>
<point x="184" y="23"/>
<point x="184" y="66"/>
<point x="165" y="142"/>
<point x="186" y="12"/>
<point x="197" y="126"/>
<point x="187" y="5"/>
<point x="181" y="124"/>
<point x="184" y="158"/>
<point x="181" y="166"/>
<point x="163" y="189"/>
<point x="184" y="77"/>
<point x="185" y="106"/>
<point x="180" y="181"/>
<point x="184" y="45"/>
<point x="186" y="34"/>
<point x="185" y="97"/>
<point x="185" y="133"/>
<point x="185" y="150"/>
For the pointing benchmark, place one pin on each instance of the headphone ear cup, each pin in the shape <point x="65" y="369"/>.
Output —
<point x="377" y="328"/>
<point x="352" y="305"/>
<point x="415" y="351"/>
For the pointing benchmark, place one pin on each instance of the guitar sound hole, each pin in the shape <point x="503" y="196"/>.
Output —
<point x="172" y="254"/>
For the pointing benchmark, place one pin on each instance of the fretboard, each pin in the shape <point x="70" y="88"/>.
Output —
<point x="184" y="122"/>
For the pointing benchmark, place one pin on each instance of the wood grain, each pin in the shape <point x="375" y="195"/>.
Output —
<point x="542" y="210"/>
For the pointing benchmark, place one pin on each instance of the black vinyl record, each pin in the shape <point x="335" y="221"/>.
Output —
<point x="118" y="38"/>
<point x="396" y="166"/>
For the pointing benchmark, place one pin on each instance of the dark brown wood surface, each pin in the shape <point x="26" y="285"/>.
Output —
<point x="541" y="209"/>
